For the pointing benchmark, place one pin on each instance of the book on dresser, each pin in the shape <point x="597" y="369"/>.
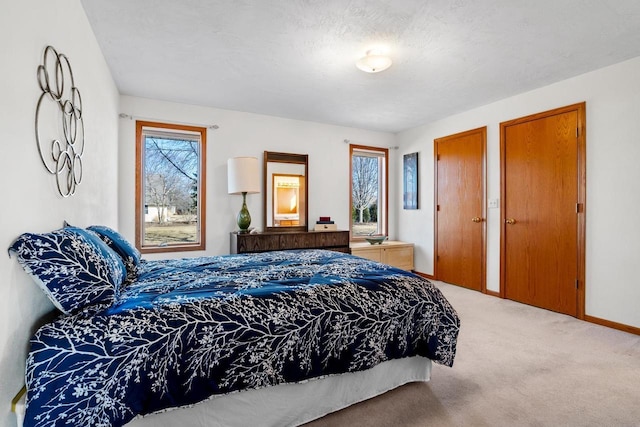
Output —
<point x="324" y="223"/>
<point x="335" y="240"/>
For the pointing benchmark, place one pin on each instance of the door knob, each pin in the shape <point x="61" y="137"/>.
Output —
<point x="510" y="221"/>
<point x="476" y="219"/>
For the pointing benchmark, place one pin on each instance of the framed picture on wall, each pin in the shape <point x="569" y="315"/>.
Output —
<point x="410" y="174"/>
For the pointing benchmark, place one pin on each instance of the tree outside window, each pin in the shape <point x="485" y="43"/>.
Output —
<point x="368" y="191"/>
<point x="170" y="187"/>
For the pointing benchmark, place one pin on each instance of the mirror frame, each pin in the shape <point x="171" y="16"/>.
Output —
<point x="275" y="157"/>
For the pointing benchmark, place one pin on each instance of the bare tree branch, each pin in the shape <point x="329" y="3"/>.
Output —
<point x="364" y="183"/>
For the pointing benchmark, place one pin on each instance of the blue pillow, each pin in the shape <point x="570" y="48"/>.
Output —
<point x="72" y="266"/>
<point x="129" y="254"/>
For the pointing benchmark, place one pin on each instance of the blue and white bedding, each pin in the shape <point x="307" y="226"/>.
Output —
<point x="190" y="328"/>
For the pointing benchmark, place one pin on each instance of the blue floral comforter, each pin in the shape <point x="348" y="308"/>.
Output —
<point x="194" y="327"/>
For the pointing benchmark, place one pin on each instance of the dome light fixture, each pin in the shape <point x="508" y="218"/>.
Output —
<point x="373" y="62"/>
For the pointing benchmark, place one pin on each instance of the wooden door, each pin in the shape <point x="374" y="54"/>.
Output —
<point x="542" y="208"/>
<point x="460" y="209"/>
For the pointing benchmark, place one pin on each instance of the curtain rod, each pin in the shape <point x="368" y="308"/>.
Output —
<point x="130" y="117"/>
<point x="348" y="141"/>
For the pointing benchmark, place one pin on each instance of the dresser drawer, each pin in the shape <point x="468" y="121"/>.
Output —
<point x="274" y="241"/>
<point x="395" y="253"/>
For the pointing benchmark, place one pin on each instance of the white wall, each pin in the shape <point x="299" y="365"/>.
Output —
<point x="612" y="97"/>
<point x="246" y="134"/>
<point x="30" y="201"/>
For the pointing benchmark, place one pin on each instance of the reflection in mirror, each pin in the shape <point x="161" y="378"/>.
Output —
<point x="286" y="199"/>
<point x="285" y="192"/>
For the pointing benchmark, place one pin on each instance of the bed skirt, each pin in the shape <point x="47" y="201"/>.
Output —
<point x="293" y="404"/>
<point x="285" y="404"/>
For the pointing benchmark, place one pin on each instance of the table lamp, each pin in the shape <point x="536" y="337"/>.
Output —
<point x="243" y="179"/>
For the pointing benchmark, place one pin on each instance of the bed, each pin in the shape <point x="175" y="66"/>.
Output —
<point x="142" y="337"/>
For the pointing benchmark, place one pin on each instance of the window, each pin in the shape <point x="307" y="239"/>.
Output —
<point x="369" y="191"/>
<point x="170" y="187"/>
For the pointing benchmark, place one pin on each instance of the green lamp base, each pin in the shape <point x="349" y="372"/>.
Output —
<point x="244" y="218"/>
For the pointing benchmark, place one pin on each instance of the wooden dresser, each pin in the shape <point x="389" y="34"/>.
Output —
<point x="273" y="241"/>
<point x="397" y="254"/>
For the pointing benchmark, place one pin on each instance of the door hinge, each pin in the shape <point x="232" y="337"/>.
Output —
<point x="438" y="208"/>
<point x="578" y="207"/>
<point x="577" y="283"/>
<point x="437" y="157"/>
<point x="577" y="132"/>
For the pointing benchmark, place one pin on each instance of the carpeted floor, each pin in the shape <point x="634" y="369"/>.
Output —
<point x="516" y="365"/>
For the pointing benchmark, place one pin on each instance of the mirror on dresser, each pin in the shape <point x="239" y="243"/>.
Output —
<point x="285" y="191"/>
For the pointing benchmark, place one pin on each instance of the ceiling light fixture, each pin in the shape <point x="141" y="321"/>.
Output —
<point x="373" y="62"/>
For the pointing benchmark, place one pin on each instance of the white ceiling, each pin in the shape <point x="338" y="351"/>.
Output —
<point x="296" y="58"/>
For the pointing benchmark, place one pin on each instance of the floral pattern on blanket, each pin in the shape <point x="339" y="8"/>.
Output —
<point x="192" y="328"/>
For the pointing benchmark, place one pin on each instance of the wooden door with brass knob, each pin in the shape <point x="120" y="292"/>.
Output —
<point x="542" y="244"/>
<point x="460" y="209"/>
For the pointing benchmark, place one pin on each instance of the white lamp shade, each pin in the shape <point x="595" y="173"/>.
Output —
<point x="242" y="173"/>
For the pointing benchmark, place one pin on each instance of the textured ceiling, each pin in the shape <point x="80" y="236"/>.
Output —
<point x="296" y="58"/>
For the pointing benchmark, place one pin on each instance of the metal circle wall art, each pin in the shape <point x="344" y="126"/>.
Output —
<point x="58" y="122"/>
